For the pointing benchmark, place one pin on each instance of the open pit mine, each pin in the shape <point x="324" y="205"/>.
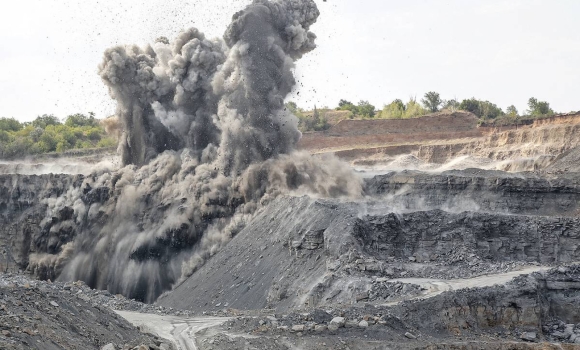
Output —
<point x="217" y="225"/>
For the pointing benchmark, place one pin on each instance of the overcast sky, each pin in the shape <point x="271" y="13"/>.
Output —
<point x="376" y="50"/>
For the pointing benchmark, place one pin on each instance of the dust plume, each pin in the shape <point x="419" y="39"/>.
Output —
<point x="204" y="142"/>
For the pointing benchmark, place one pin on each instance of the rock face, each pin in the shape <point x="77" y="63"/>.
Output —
<point x="437" y="235"/>
<point x="23" y="204"/>
<point x="526" y="303"/>
<point x="478" y="190"/>
<point x="271" y="264"/>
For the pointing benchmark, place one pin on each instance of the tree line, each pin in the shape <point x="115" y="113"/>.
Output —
<point x="431" y="102"/>
<point x="47" y="133"/>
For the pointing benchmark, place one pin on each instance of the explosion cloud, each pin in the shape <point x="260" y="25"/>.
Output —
<point x="205" y="141"/>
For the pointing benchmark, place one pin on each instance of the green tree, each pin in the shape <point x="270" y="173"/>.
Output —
<point x="343" y="103"/>
<point x="10" y="124"/>
<point x="316" y="114"/>
<point x="319" y="123"/>
<point x="482" y="109"/>
<point x="394" y="110"/>
<point x="79" y="119"/>
<point x="490" y="110"/>
<point x="432" y="101"/>
<point x="36" y="134"/>
<point x="366" y="109"/>
<point x="45" y="120"/>
<point x="5" y="137"/>
<point x="291" y="106"/>
<point x="512" y="111"/>
<point x="538" y="108"/>
<point x="94" y="134"/>
<point x="471" y="105"/>
<point x="48" y="142"/>
<point x="414" y="109"/>
<point x="451" y="105"/>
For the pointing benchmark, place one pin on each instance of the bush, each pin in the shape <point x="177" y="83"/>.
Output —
<point x="414" y="109"/>
<point x="106" y="142"/>
<point x="394" y="110"/>
<point x="482" y="109"/>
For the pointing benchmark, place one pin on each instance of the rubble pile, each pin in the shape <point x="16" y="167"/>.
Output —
<point x="44" y="315"/>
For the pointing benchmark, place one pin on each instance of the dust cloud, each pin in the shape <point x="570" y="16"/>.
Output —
<point x="204" y="142"/>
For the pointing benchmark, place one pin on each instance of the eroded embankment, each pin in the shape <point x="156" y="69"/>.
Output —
<point x="545" y="139"/>
<point x="360" y="134"/>
<point x="447" y="137"/>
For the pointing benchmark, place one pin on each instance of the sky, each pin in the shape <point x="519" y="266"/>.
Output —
<point x="376" y="50"/>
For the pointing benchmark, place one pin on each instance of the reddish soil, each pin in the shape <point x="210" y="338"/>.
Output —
<point x="453" y="133"/>
<point x="351" y="134"/>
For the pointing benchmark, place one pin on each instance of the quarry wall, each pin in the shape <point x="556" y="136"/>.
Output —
<point x="442" y="137"/>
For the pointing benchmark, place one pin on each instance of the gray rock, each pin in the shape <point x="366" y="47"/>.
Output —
<point x="363" y="324"/>
<point x="109" y="346"/>
<point x="569" y="330"/>
<point x="351" y="324"/>
<point x="560" y="335"/>
<point x="53" y="303"/>
<point x="298" y="328"/>
<point x="362" y="296"/>
<point x="529" y="336"/>
<point x="332" y="328"/>
<point x="320" y="328"/>
<point x="410" y="335"/>
<point x="337" y="321"/>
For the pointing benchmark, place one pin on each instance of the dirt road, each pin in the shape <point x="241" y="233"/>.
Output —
<point x="179" y="330"/>
<point x="182" y="331"/>
<point x="435" y="287"/>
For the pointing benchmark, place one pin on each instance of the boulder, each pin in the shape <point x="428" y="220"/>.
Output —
<point x="338" y="321"/>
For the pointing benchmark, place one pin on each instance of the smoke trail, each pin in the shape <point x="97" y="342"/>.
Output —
<point x="205" y="141"/>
